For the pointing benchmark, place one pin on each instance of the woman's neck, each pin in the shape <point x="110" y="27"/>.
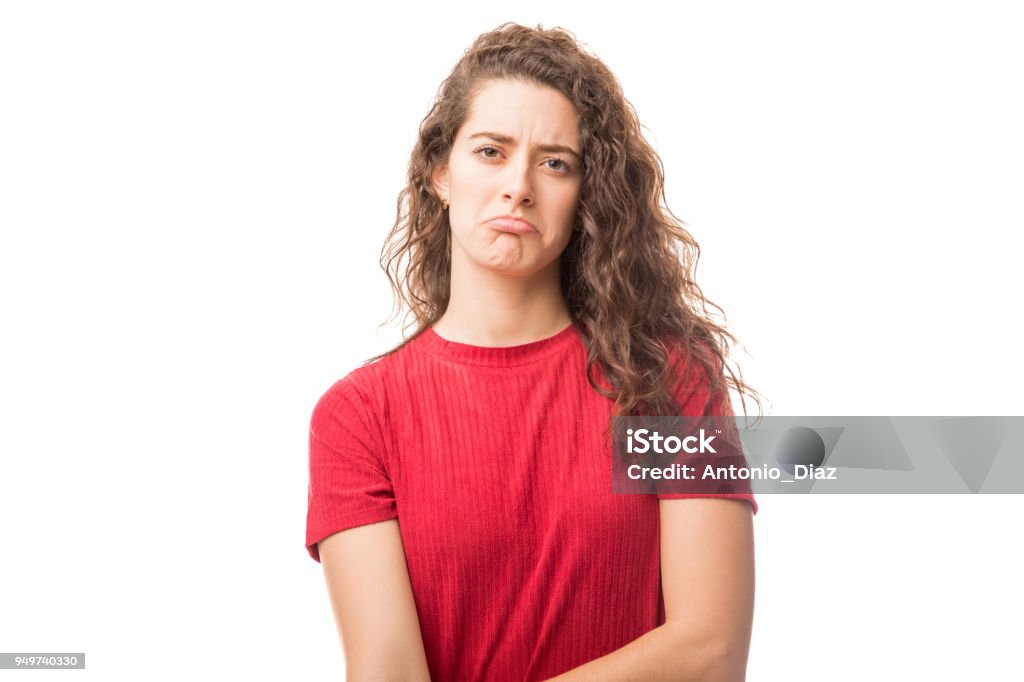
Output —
<point x="488" y="307"/>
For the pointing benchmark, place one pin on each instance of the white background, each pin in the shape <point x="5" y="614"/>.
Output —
<point x="193" y="198"/>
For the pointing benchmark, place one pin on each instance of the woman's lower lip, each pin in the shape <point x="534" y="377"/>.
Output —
<point x="516" y="226"/>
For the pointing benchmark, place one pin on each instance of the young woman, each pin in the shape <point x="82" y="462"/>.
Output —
<point x="460" y="495"/>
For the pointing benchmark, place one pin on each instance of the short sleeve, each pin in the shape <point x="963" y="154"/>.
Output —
<point x="348" y="481"/>
<point x="692" y="395"/>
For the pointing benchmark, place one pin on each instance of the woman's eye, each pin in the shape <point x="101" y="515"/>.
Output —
<point x="485" y="150"/>
<point x="489" y="152"/>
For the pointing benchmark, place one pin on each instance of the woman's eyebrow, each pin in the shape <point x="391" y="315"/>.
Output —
<point x="505" y="139"/>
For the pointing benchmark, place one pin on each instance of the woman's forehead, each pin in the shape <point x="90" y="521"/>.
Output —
<point x="512" y="108"/>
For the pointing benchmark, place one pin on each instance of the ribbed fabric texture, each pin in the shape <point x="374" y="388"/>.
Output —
<point x="522" y="561"/>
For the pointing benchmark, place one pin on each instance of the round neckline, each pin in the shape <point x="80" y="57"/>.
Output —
<point x="495" y="356"/>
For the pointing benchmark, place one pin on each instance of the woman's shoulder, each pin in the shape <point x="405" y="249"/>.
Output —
<point x="363" y="378"/>
<point x="698" y="381"/>
<point x="367" y="385"/>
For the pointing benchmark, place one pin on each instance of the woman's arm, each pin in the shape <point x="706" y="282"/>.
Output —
<point x="707" y="574"/>
<point x="368" y="582"/>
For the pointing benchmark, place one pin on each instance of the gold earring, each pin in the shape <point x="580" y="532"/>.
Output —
<point x="444" y="202"/>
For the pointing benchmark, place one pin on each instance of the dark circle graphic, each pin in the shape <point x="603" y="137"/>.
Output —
<point x="800" y="445"/>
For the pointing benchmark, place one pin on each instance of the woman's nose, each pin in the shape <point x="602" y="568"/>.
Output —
<point x="519" y="183"/>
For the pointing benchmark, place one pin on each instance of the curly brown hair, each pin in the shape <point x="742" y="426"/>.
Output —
<point x="627" y="273"/>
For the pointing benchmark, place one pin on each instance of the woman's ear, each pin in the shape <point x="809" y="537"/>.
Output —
<point x="439" y="180"/>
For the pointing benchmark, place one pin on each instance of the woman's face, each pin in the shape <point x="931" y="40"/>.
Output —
<point x="518" y="153"/>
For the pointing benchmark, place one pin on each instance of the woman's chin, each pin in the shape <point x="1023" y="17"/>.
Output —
<point x="507" y="255"/>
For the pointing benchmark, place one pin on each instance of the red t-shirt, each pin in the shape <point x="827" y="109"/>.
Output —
<point x="522" y="561"/>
